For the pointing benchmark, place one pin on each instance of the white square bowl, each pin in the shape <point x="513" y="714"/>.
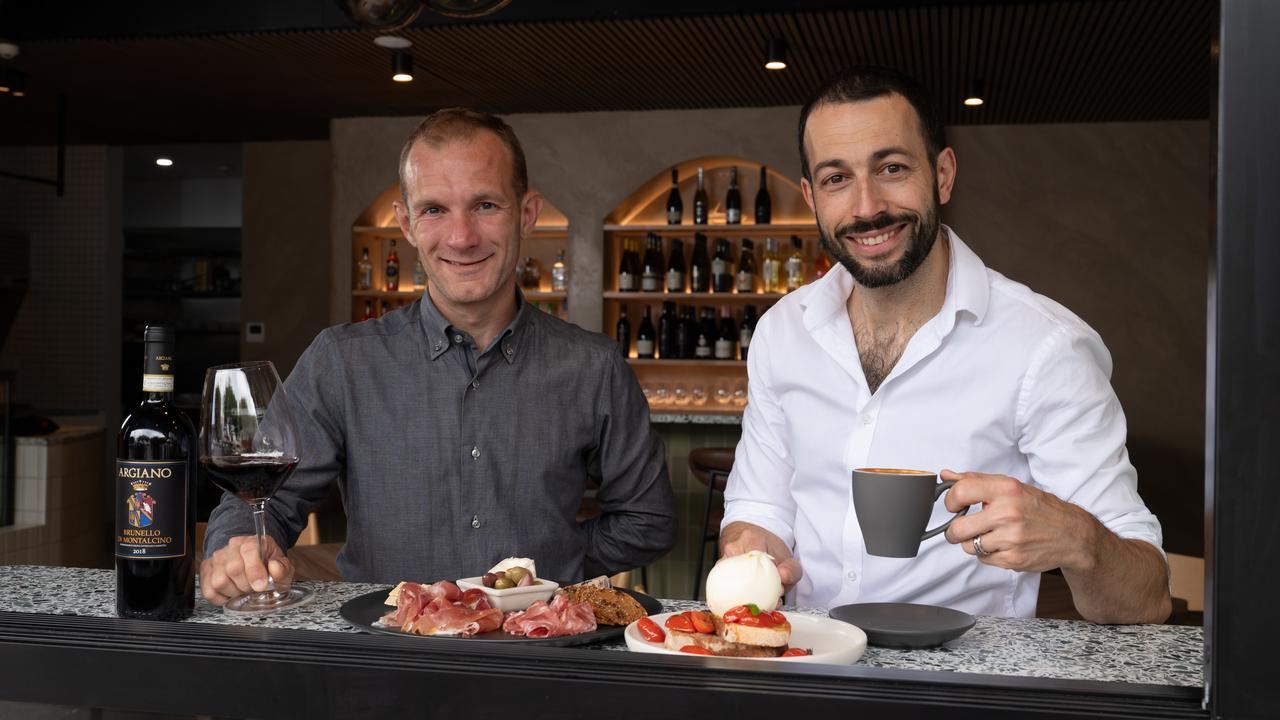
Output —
<point x="512" y="599"/>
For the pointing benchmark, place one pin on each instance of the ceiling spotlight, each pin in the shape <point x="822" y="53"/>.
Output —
<point x="164" y="161"/>
<point x="401" y="66"/>
<point x="392" y="42"/>
<point x="973" y="98"/>
<point x="18" y="83"/>
<point x="776" y="54"/>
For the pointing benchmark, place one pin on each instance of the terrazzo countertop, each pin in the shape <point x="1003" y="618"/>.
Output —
<point x="1027" y="647"/>
<point x="693" y="418"/>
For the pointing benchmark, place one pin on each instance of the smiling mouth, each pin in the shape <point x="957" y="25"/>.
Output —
<point x="465" y="263"/>
<point x="879" y="238"/>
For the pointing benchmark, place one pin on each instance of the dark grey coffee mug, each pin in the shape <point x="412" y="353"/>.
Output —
<point x="893" y="507"/>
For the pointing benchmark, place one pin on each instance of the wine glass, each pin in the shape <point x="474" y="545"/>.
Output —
<point x="248" y="445"/>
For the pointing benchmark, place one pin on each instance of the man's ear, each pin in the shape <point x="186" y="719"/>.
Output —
<point x="946" y="174"/>
<point x="530" y="207"/>
<point x="806" y="189"/>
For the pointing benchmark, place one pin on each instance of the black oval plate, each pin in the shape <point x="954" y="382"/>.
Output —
<point x="905" y="625"/>
<point x="364" y="610"/>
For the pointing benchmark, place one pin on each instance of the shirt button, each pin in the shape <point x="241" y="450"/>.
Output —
<point x="475" y="384"/>
<point x="475" y="452"/>
<point x="437" y="346"/>
<point x="866" y="419"/>
<point x="509" y="351"/>
<point x="853" y="576"/>
<point x="457" y="338"/>
<point x="475" y="521"/>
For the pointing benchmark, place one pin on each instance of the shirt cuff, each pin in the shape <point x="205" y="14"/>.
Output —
<point x="760" y="515"/>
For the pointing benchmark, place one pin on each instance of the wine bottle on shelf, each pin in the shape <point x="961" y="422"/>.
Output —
<point x="624" y="332"/>
<point x="795" y="265"/>
<point x="368" y="310"/>
<point x="645" y="335"/>
<point x="686" y="333"/>
<point x="745" y="280"/>
<point x="704" y="347"/>
<point x="821" y="263"/>
<point x="746" y="330"/>
<point x="154" y="495"/>
<point x="700" y="268"/>
<point x="364" y="271"/>
<point x="675" y="267"/>
<point x="721" y="275"/>
<point x="383" y="308"/>
<point x="733" y="200"/>
<point x="651" y="270"/>
<point x="701" y="206"/>
<point x="727" y="337"/>
<point x="627" y="280"/>
<point x="771" y="267"/>
<point x="419" y="276"/>
<point x="667" y="331"/>
<point x="559" y="273"/>
<point x="675" y="206"/>
<point x="764" y="205"/>
<point x="393" y="269"/>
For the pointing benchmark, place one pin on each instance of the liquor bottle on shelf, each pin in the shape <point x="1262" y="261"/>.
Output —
<point x="667" y="331"/>
<point x="764" y="205"/>
<point x="531" y="274"/>
<point x="627" y="280"/>
<point x="704" y="347"/>
<point x="364" y="271"/>
<point x="727" y="337"/>
<point x="368" y="310"/>
<point x="393" y="269"/>
<point x="559" y="273"/>
<point x="651" y="270"/>
<point x="700" y="268"/>
<point x="154" y="496"/>
<point x="686" y="333"/>
<point x="733" y="200"/>
<point x="382" y="308"/>
<point x="675" y="267"/>
<point x="645" y="335"/>
<point x="419" y="276"/>
<point x="795" y="265"/>
<point x="701" y="206"/>
<point x="771" y="267"/>
<point x="746" y="276"/>
<point x="746" y="330"/>
<point x="721" y="274"/>
<point x="675" y="206"/>
<point x="821" y="263"/>
<point x="624" y="332"/>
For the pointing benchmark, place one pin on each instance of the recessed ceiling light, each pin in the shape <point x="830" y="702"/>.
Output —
<point x="401" y="66"/>
<point x="164" y="161"/>
<point x="392" y="42"/>
<point x="973" y="98"/>
<point x="776" y="54"/>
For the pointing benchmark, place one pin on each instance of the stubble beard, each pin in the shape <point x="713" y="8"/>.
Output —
<point x="923" y="234"/>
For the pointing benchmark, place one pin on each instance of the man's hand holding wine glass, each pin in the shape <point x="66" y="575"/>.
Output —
<point x="237" y="570"/>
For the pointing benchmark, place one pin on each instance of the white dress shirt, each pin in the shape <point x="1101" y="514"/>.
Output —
<point x="1001" y="380"/>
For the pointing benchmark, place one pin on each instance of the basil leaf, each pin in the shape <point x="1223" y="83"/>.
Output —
<point x="755" y="609"/>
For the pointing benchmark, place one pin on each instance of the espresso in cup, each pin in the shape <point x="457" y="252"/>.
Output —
<point x="893" y="506"/>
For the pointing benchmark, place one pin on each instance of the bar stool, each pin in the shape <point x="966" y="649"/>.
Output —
<point x="711" y="466"/>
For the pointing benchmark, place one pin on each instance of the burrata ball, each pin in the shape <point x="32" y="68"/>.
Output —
<point x="750" y="577"/>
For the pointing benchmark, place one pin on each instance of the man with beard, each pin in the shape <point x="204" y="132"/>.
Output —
<point x="911" y="353"/>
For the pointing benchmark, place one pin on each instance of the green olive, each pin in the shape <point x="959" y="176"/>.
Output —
<point x="515" y="573"/>
<point x="502" y="583"/>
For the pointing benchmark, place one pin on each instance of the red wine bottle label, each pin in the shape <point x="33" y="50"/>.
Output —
<point x="157" y="383"/>
<point x="151" y="509"/>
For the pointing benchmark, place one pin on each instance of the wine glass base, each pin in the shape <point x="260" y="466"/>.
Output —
<point x="270" y="601"/>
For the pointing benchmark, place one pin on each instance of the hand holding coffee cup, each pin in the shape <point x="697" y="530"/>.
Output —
<point x="893" y="507"/>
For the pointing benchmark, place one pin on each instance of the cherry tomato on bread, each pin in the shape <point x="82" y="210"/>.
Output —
<point x="650" y="631"/>
<point x="701" y="621"/>
<point x="696" y="650"/>
<point x="679" y="623"/>
<point x="796" y="652"/>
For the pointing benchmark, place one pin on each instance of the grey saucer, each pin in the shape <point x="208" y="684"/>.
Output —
<point x="904" y="625"/>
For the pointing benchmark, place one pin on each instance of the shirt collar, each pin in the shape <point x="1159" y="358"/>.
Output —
<point x="440" y="332"/>
<point x="967" y="289"/>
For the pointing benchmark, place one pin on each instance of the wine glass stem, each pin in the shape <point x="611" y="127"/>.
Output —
<point x="260" y="527"/>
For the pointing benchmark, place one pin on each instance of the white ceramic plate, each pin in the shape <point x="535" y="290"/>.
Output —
<point x="833" y="642"/>
<point x="512" y="599"/>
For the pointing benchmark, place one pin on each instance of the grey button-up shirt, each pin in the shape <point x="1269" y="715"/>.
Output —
<point x="450" y="458"/>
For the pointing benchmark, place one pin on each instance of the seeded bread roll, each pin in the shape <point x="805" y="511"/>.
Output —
<point x="611" y="607"/>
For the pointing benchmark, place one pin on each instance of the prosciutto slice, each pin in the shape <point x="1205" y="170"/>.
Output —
<point x="442" y="609"/>
<point x="561" y="617"/>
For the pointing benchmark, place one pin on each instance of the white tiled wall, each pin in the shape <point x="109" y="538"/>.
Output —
<point x="61" y="505"/>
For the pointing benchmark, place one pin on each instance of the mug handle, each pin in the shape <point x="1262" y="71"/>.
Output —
<point x="943" y="487"/>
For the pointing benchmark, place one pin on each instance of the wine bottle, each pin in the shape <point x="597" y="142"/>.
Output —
<point x="675" y="267"/>
<point x="727" y="337"/>
<point x="733" y="200"/>
<point x="795" y="265"/>
<point x="700" y="269"/>
<point x="383" y="308"/>
<point x="626" y="271"/>
<point x="559" y="273"/>
<point x="746" y="330"/>
<point x="368" y="310"/>
<point x="154" y="496"/>
<point x="746" y="275"/>
<point x="651" y="270"/>
<point x="675" y="206"/>
<point x="667" y="331"/>
<point x="645" y="335"/>
<point x="624" y="332"/>
<point x="419" y="276"/>
<point x="705" y="344"/>
<point x="364" y="271"/>
<point x="700" y="204"/>
<point x="721" y="276"/>
<point x="764" y="205"/>
<point x="771" y="268"/>
<point x="393" y="269"/>
<point x="822" y="263"/>
<point x="686" y="333"/>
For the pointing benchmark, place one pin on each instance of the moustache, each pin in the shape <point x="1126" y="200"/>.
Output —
<point x="878" y="222"/>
